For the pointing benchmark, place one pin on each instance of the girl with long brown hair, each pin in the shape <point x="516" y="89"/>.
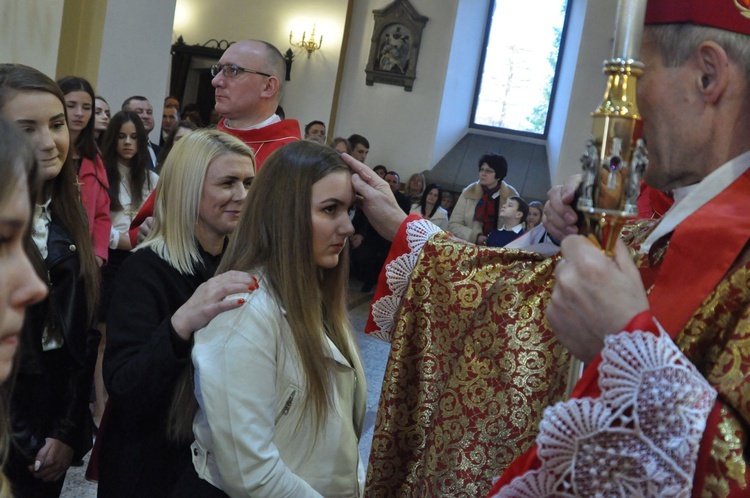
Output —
<point x="127" y="161"/>
<point x="50" y="420"/>
<point x="92" y="177"/>
<point x="19" y="285"/>
<point x="279" y="381"/>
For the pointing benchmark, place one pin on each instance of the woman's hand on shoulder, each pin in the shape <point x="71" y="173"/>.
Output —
<point x="208" y="300"/>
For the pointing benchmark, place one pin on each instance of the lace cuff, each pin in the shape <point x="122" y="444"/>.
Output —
<point x="640" y="438"/>
<point x="397" y="276"/>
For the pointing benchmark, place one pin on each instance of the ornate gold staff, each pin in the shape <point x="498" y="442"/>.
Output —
<point x="615" y="156"/>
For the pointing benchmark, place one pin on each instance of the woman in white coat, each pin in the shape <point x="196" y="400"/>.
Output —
<point x="279" y="381"/>
<point x="476" y="211"/>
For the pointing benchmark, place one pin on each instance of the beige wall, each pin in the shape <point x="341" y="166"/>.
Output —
<point x="135" y="54"/>
<point x="30" y="33"/>
<point x="81" y="39"/>
<point x="581" y="86"/>
<point x="409" y="131"/>
<point x="401" y="126"/>
<point x="463" y="66"/>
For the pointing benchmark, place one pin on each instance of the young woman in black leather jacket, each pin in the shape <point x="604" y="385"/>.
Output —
<point x="50" y="420"/>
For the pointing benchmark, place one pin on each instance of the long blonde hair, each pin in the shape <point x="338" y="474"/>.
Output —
<point x="274" y="234"/>
<point x="178" y="197"/>
<point x="172" y="237"/>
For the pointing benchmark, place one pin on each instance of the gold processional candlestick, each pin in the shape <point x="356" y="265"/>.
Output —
<point x="615" y="156"/>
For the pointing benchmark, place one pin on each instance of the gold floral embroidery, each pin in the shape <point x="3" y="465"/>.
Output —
<point x="472" y="367"/>
<point x="717" y="341"/>
<point x="726" y="460"/>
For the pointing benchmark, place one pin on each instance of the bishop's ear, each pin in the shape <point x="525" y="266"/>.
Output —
<point x="713" y="67"/>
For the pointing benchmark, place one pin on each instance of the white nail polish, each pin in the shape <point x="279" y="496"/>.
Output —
<point x="37" y="465"/>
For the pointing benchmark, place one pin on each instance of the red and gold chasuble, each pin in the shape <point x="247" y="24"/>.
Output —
<point x="700" y="293"/>
<point x="472" y="363"/>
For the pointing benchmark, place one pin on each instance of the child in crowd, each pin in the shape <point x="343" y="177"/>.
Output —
<point x="511" y="220"/>
<point x="534" y="218"/>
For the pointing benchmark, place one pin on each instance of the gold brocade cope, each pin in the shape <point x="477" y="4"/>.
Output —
<point x="716" y="340"/>
<point x="472" y="366"/>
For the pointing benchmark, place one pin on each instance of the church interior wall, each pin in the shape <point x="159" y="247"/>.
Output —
<point x="401" y="126"/>
<point x="409" y="131"/>
<point x="30" y="32"/>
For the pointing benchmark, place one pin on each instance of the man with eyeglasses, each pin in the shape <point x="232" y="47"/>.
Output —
<point x="248" y="81"/>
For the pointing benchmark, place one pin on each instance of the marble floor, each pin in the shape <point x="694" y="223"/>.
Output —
<point x="374" y="356"/>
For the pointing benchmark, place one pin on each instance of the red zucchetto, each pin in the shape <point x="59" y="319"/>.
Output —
<point x="730" y="15"/>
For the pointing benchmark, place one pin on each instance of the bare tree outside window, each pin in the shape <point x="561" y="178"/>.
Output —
<point x="516" y="83"/>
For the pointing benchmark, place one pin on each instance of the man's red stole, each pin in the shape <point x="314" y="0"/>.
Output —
<point x="701" y="252"/>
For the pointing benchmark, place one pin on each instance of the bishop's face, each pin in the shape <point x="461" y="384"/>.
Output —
<point x="672" y="121"/>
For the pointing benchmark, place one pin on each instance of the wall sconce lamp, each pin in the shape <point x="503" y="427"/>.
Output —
<point x="308" y="45"/>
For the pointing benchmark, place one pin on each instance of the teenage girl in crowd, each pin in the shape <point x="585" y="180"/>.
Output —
<point x="102" y="116"/>
<point x="92" y="177"/>
<point x="50" y="419"/>
<point x="279" y="380"/>
<point x="19" y="285"/>
<point x="92" y="180"/>
<point x="164" y="293"/>
<point x="127" y="161"/>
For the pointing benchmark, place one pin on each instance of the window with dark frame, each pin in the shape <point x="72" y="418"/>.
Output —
<point x="521" y="57"/>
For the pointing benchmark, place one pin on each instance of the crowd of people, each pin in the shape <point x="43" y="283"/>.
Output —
<point x="205" y="305"/>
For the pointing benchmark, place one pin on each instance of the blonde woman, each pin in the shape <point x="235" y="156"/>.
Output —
<point x="162" y="295"/>
<point x="279" y="381"/>
<point x="415" y="188"/>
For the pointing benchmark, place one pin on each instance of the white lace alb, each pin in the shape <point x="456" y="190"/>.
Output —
<point x="639" y="438"/>
<point x="398" y="273"/>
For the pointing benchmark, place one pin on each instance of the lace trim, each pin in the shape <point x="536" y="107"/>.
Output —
<point x="640" y="438"/>
<point x="397" y="274"/>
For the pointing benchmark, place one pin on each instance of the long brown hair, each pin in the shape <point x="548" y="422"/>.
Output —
<point x="85" y="144"/>
<point x="138" y="171"/>
<point x="276" y="217"/>
<point x="66" y="203"/>
<point x="16" y="161"/>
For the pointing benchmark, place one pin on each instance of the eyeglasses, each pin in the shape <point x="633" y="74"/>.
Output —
<point x="487" y="170"/>
<point x="231" y="70"/>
